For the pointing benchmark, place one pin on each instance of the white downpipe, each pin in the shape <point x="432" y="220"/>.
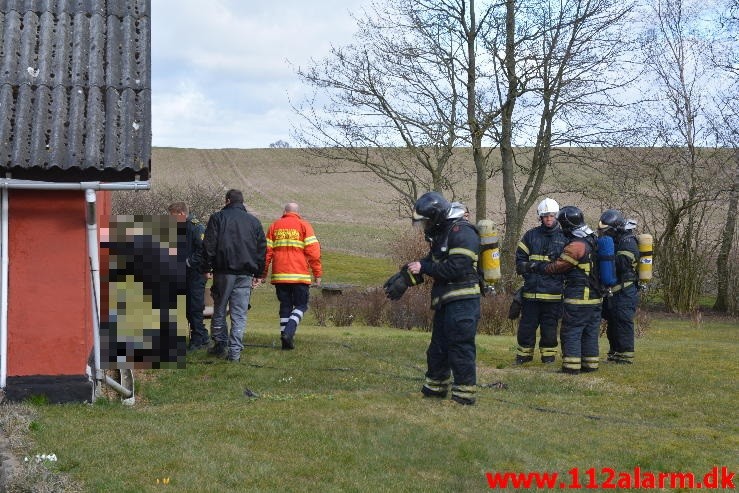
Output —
<point x="4" y="288"/>
<point x="94" y="255"/>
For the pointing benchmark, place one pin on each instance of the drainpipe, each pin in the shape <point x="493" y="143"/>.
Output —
<point x="94" y="255"/>
<point x="3" y="287"/>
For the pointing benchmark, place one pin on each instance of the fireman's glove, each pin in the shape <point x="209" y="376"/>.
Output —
<point x="396" y="286"/>
<point x="515" y="309"/>
<point x="526" y="267"/>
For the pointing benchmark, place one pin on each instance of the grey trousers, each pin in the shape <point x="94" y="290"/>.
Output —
<point x="230" y="291"/>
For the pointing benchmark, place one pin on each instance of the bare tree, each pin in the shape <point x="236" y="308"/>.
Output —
<point x="398" y="85"/>
<point x="561" y="64"/>
<point x="727" y="59"/>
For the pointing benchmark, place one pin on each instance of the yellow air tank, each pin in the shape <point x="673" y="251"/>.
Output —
<point x="489" y="250"/>
<point x="645" y="241"/>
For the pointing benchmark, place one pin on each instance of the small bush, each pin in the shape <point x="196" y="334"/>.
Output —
<point x="202" y="199"/>
<point x="494" y="315"/>
<point x="412" y="311"/>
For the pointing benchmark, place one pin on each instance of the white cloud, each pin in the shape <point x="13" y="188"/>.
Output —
<point x="220" y="71"/>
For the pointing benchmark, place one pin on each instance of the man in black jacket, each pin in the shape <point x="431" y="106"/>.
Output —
<point x="234" y="248"/>
<point x="189" y="253"/>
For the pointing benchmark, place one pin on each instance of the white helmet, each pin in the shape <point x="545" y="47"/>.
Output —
<point x="547" y="206"/>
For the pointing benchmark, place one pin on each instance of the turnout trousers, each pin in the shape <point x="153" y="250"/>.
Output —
<point x="452" y="352"/>
<point x="619" y="311"/>
<point x="538" y="314"/>
<point x="293" y="300"/>
<point x="579" y="335"/>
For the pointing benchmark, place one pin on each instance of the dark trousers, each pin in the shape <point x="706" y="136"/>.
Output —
<point x="543" y="314"/>
<point x="293" y="300"/>
<point x="452" y="349"/>
<point x="619" y="311"/>
<point x="195" y="304"/>
<point x="579" y="335"/>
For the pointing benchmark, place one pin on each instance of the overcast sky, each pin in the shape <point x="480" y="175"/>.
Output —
<point x="223" y="71"/>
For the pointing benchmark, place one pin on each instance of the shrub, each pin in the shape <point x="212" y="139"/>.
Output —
<point x="494" y="315"/>
<point x="202" y="199"/>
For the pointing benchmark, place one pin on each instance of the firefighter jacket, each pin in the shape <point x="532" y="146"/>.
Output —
<point x="452" y="263"/>
<point x="627" y="260"/>
<point x="541" y="244"/>
<point x="234" y="243"/>
<point x="194" y="234"/>
<point x="293" y="250"/>
<point x="577" y="263"/>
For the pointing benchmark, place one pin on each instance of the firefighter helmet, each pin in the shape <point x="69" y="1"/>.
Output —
<point x="571" y="218"/>
<point x="431" y="210"/>
<point x="547" y="206"/>
<point x="611" y="221"/>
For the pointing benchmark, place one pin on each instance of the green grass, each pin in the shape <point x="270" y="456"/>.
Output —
<point x="343" y="412"/>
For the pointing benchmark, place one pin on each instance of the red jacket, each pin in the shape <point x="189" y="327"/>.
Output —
<point x="292" y="250"/>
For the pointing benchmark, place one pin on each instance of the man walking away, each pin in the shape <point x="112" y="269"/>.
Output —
<point x="234" y="249"/>
<point x="294" y="252"/>
<point x="195" y="297"/>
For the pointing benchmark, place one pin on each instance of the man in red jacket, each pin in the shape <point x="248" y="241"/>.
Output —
<point x="294" y="252"/>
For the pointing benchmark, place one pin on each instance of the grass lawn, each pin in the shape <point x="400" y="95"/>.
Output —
<point x="343" y="412"/>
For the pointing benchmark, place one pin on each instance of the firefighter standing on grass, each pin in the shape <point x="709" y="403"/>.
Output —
<point x="619" y="310"/>
<point x="455" y="296"/>
<point x="542" y="294"/>
<point x="293" y="252"/>
<point x="582" y="297"/>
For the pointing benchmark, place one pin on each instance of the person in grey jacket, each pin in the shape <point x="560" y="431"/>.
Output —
<point x="234" y="249"/>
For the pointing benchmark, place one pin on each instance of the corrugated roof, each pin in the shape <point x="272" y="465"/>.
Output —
<point x="75" y="89"/>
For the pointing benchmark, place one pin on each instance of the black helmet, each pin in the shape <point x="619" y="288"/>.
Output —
<point x="570" y="218"/>
<point x="611" y="221"/>
<point x="431" y="208"/>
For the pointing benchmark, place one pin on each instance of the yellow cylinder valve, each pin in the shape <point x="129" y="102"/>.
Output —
<point x="489" y="250"/>
<point x="646" y="253"/>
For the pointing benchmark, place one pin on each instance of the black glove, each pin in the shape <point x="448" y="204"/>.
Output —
<point x="396" y="286"/>
<point x="525" y="267"/>
<point x="515" y="309"/>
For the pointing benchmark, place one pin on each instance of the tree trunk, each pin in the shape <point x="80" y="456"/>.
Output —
<point x="727" y="238"/>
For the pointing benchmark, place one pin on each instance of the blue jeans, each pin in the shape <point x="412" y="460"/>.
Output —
<point x="230" y="291"/>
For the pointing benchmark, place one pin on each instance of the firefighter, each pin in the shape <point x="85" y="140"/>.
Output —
<point x="620" y="308"/>
<point x="293" y="252"/>
<point x="195" y="297"/>
<point x="542" y="294"/>
<point x="582" y="297"/>
<point x="455" y="297"/>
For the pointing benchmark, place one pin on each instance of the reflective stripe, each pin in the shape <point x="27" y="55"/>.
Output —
<point x="542" y="296"/>
<point x="568" y="259"/>
<point x="523" y="247"/>
<point x="571" y="362"/>
<point x="524" y="351"/>
<point x="437" y="385"/>
<point x="572" y="301"/>
<point x="457" y="292"/>
<point x="626" y="253"/>
<point x="619" y="287"/>
<point x="590" y="361"/>
<point x="291" y="277"/>
<point x="542" y="258"/>
<point x="548" y="351"/>
<point x="467" y="391"/>
<point x="310" y="240"/>
<point x="463" y="251"/>
<point x="288" y="243"/>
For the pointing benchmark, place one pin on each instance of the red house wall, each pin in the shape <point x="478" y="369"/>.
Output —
<point x="49" y="307"/>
